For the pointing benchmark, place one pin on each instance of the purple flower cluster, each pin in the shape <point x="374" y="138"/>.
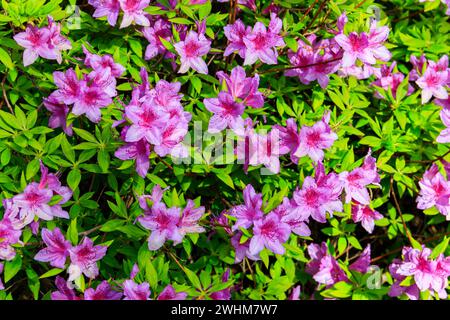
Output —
<point x="168" y="223"/>
<point x="87" y="95"/>
<point x="259" y="42"/>
<point x="427" y="273"/>
<point x="157" y="122"/>
<point x="133" y="11"/>
<point x="46" y="42"/>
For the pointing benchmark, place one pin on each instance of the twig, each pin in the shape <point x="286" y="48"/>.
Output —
<point x="322" y="5"/>
<point x="5" y="97"/>
<point x="394" y="197"/>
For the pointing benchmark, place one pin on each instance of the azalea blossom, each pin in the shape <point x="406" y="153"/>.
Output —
<point x="59" y="112"/>
<point x="433" y="83"/>
<point x="9" y="236"/>
<point x="314" y="139"/>
<point x="160" y="29"/>
<point x="63" y="292"/>
<point x="295" y="219"/>
<point x="390" y="80"/>
<point x="365" y="215"/>
<point x="362" y="264"/>
<point x="269" y="232"/>
<point x="261" y="42"/>
<point x="250" y="211"/>
<point x="134" y="291"/>
<point x="235" y="34"/>
<point x="356" y="181"/>
<point x="106" y="8"/>
<point x="289" y="138"/>
<point x="102" y="292"/>
<point x="324" y="267"/>
<point x="227" y="113"/>
<point x="189" y="219"/>
<point x="224" y="294"/>
<point x="242" y="249"/>
<point x="83" y="259"/>
<point x="139" y="150"/>
<point x="191" y="51"/>
<point x="57" y="249"/>
<point x="169" y="293"/>
<point x="133" y="12"/>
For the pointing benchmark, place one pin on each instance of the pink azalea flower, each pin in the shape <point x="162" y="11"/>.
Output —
<point x="434" y="191"/>
<point x="433" y="83"/>
<point x="147" y="122"/>
<point x="134" y="291"/>
<point x="444" y="135"/>
<point x="261" y="42"/>
<point x="69" y="87"/>
<point x="163" y="222"/>
<point x="356" y="181"/>
<point x="269" y="232"/>
<point x="362" y="264"/>
<point x="323" y="267"/>
<point x="169" y="293"/>
<point x="294" y="218"/>
<point x="250" y="211"/>
<point x="224" y="294"/>
<point x="289" y="138"/>
<point x="295" y="294"/>
<point x="83" y="258"/>
<point x="133" y="11"/>
<point x="106" y="8"/>
<point x="235" y="34"/>
<point x="172" y="137"/>
<point x="190" y="217"/>
<point x="243" y="89"/>
<point x="44" y="42"/>
<point x="412" y="291"/>
<point x="57" y="249"/>
<point x="265" y="150"/>
<point x="365" y="215"/>
<point x="390" y="81"/>
<point x="9" y="236"/>
<point x="102" y="292"/>
<point x="418" y="67"/>
<point x="227" y="113"/>
<point x="63" y="292"/>
<point x="191" y="51"/>
<point x="139" y="150"/>
<point x="314" y="139"/>
<point x="364" y="47"/>
<point x="91" y="100"/>
<point x="101" y="63"/>
<point x="160" y="29"/>
<point x="59" y="110"/>
<point x="315" y="201"/>
<point x="242" y="249"/>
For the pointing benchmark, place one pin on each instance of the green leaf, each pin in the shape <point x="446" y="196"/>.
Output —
<point x="193" y="278"/>
<point x="67" y="149"/>
<point x="74" y="178"/>
<point x="6" y="59"/>
<point x="440" y="248"/>
<point x="51" y="273"/>
<point x="72" y="232"/>
<point x="12" y="268"/>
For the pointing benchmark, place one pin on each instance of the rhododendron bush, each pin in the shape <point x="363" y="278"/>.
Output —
<point x="172" y="150"/>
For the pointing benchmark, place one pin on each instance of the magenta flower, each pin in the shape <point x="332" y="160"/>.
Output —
<point x="315" y="139"/>
<point x="9" y="236"/>
<point x="163" y="222"/>
<point x="83" y="258"/>
<point x="362" y="264"/>
<point x="366" y="215"/>
<point x="364" y="47"/>
<point x="444" y="135"/>
<point x="63" y="292"/>
<point x="90" y="101"/>
<point x="315" y="201"/>
<point x="356" y="181"/>
<point x="172" y="137"/>
<point x="434" y="191"/>
<point x="106" y="8"/>
<point x="390" y="81"/>
<point x="134" y="291"/>
<point x="69" y="87"/>
<point x="139" y="150"/>
<point x="191" y="51"/>
<point x="411" y="291"/>
<point x="44" y="42"/>
<point x="269" y="232"/>
<point x="59" y="110"/>
<point x="261" y="42"/>
<point x="57" y="249"/>
<point x="243" y="89"/>
<point x="147" y="122"/>
<point x="189" y="219"/>
<point x="323" y="267"/>
<point x="294" y="218"/>
<point x="169" y="293"/>
<point x="102" y="63"/>
<point x="265" y="149"/>
<point x="289" y="138"/>
<point x="295" y="294"/>
<point x="133" y="12"/>
<point x="235" y="34"/>
<point x="227" y="113"/>
<point x="433" y="83"/>
<point x="242" y="249"/>
<point x="250" y="211"/>
<point x="160" y="29"/>
<point x="102" y="292"/>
